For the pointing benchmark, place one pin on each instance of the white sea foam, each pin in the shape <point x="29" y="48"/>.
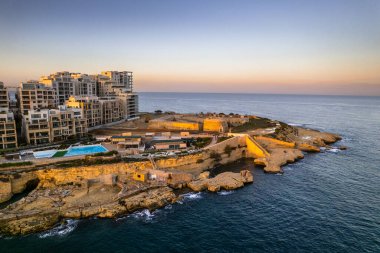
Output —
<point x="189" y="197"/>
<point x="67" y="227"/>
<point x="145" y="215"/>
<point x="192" y="195"/>
<point x="223" y="193"/>
<point x="168" y="207"/>
<point x="333" y="150"/>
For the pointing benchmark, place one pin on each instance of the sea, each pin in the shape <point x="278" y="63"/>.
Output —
<point x="327" y="202"/>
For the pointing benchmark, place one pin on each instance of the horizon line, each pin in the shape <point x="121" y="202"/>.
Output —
<point x="259" y="93"/>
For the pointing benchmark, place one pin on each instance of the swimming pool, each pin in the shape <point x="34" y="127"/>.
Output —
<point x="44" y="154"/>
<point x="85" y="150"/>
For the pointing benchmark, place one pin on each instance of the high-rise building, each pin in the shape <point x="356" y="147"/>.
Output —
<point x="4" y="98"/>
<point x="90" y="107"/>
<point x="84" y="85"/>
<point x="33" y="95"/>
<point x="62" y="83"/>
<point x="8" y="134"/>
<point x="130" y="103"/>
<point x="112" y="110"/>
<point x="123" y="80"/>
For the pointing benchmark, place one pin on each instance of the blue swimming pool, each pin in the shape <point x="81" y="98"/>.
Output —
<point x="44" y="154"/>
<point x="85" y="150"/>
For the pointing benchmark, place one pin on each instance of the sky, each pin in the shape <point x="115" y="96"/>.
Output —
<point x="242" y="46"/>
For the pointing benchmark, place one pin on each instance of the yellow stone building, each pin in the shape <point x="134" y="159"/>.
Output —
<point x="215" y="125"/>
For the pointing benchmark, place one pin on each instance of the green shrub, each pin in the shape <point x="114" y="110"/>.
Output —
<point x="17" y="164"/>
<point x="109" y="153"/>
<point x="202" y="142"/>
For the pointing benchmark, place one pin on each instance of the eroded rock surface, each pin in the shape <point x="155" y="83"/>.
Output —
<point x="223" y="181"/>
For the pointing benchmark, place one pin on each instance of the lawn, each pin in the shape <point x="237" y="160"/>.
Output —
<point x="60" y="153"/>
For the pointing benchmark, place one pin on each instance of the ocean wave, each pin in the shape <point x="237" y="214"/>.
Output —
<point x="189" y="197"/>
<point x="333" y="150"/>
<point x="223" y="192"/>
<point x="168" y="207"/>
<point x="192" y="195"/>
<point x="65" y="228"/>
<point x="144" y="215"/>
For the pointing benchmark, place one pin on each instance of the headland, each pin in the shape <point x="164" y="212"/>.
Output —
<point x="151" y="158"/>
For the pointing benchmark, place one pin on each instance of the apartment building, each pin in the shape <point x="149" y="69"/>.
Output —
<point x="84" y="85"/>
<point x="112" y="110"/>
<point x="52" y="125"/>
<point x="4" y="98"/>
<point x="123" y="80"/>
<point x="90" y="106"/>
<point x="35" y="126"/>
<point x="129" y="102"/>
<point x="33" y="95"/>
<point x="8" y="134"/>
<point x="66" y="123"/>
<point x="62" y="83"/>
<point x="105" y="86"/>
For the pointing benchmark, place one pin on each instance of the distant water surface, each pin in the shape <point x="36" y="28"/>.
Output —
<point x="328" y="202"/>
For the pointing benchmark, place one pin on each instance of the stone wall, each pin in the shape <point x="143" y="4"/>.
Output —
<point x="173" y="125"/>
<point x="275" y="141"/>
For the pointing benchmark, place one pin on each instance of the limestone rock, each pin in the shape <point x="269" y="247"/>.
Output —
<point x="198" y="185"/>
<point x="204" y="175"/>
<point x="178" y="180"/>
<point x="34" y="222"/>
<point x="308" y="147"/>
<point x="225" y="180"/>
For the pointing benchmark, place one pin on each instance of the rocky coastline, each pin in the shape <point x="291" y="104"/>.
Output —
<point x="107" y="191"/>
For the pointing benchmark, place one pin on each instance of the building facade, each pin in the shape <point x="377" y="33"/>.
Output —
<point x="112" y="110"/>
<point x="8" y="133"/>
<point x="33" y="95"/>
<point x="62" y="83"/>
<point x="52" y="125"/>
<point x="90" y="106"/>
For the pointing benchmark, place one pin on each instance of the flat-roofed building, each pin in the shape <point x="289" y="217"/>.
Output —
<point x="105" y="86"/>
<point x="84" y="85"/>
<point x="8" y="134"/>
<point x="112" y="110"/>
<point x="62" y="83"/>
<point x="35" y="126"/>
<point x="66" y="123"/>
<point x="130" y="103"/>
<point x="128" y="141"/>
<point x="4" y="97"/>
<point x="123" y="80"/>
<point x="52" y="125"/>
<point x="90" y="106"/>
<point x="171" y="144"/>
<point x="33" y="95"/>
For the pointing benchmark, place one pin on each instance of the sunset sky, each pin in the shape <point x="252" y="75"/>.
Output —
<point x="242" y="46"/>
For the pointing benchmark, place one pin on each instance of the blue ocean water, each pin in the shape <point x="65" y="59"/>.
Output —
<point x="327" y="202"/>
